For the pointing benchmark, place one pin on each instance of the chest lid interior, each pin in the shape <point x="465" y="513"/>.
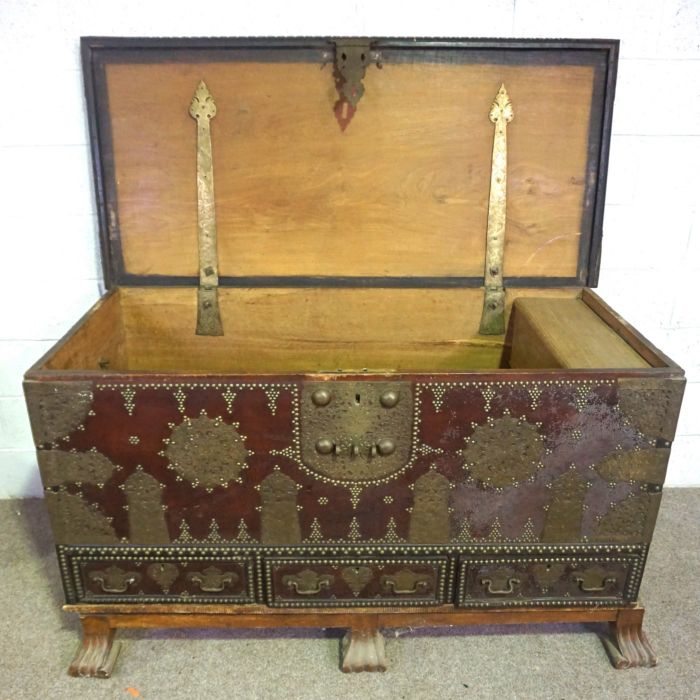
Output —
<point x="349" y="162"/>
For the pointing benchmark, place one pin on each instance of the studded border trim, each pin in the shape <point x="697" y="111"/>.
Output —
<point x="635" y="561"/>
<point x="71" y="558"/>
<point x="255" y="558"/>
<point x="440" y="596"/>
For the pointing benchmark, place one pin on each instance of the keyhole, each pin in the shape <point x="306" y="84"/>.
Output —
<point x="357" y="399"/>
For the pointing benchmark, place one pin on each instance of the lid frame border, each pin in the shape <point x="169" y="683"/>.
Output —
<point x="93" y="50"/>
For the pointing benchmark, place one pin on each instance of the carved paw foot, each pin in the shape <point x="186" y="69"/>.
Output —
<point x="363" y="650"/>
<point x="629" y="646"/>
<point x="97" y="654"/>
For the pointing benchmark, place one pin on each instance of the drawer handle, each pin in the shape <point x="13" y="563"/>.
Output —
<point x="512" y="583"/>
<point x="607" y="581"/>
<point x="114" y="580"/>
<point x="307" y="582"/>
<point x="212" y="580"/>
<point x="405" y="582"/>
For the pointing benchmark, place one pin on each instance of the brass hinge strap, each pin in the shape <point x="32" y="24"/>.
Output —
<point x="493" y="314"/>
<point x="203" y="109"/>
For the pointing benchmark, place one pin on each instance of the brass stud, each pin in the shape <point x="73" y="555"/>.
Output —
<point x="386" y="446"/>
<point x="321" y="397"/>
<point x="389" y="399"/>
<point x="325" y="446"/>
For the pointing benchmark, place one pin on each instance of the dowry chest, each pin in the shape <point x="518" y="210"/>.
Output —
<point x="349" y="371"/>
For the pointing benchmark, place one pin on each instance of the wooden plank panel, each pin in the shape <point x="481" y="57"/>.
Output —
<point x="403" y="191"/>
<point x="291" y="330"/>
<point x="99" y="339"/>
<point x="551" y="333"/>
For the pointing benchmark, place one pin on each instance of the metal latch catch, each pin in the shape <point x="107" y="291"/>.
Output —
<point x="352" y="56"/>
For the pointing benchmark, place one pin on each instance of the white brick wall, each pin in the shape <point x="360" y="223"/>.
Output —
<point x="651" y="253"/>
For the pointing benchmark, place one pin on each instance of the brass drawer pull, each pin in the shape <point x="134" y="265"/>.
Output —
<point x="307" y="582"/>
<point x="512" y="583"/>
<point x="405" y="582"/>
<point x="212" y="580"/>
<point x="115" y="580"/>
<point x="607" y="581"/>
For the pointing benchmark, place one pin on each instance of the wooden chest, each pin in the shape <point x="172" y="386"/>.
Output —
<point x="344" y="376"/>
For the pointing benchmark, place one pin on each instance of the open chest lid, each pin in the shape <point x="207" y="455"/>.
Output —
<point x="348" y="162"/>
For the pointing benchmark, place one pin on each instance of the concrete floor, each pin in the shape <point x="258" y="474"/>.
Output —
<point x="536" y="661"/>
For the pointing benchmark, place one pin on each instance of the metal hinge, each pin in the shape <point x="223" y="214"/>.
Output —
<point x="493" y="314"/>
<point x="203" y="109"/>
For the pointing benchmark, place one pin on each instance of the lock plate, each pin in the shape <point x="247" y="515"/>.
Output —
<point x="356" y="431"/>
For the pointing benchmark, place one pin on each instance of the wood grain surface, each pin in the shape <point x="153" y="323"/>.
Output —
<point x="403" y="191"/>
<point x="294" y="330"/>
<point x="566" y="333"/>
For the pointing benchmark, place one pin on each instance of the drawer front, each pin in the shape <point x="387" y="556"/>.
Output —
<point x="357" y="581"/>
<point x="556" y="581"/>
<point x="166" y="575"/>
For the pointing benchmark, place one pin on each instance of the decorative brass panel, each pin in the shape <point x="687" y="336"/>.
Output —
<point x="206" y="451"/>
<point x="279" y="514"/>
<point x="62" y="467"/>
<point x="648" y="465"/>
<point x="652" y="406"/>
<point x="493" y="315"/>
<point x="565" y="510"/>
<point x="146" y="516"/>
<point x="73" y="521"/>
<point x="503" y="452"/>
<point x="56" y="409"/>
<point x="359" y="434"/>
<point x="630" y="520"/>
<point x="430" y="516"/>
<point x="164" y="574"/>
<point x="357" y="577"/>
<point x="203" y="110"/>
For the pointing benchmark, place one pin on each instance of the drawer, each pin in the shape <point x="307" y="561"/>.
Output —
<point x="356" y="581"/>
<point x="556" y="581"/>
<point x="164" y="574"/>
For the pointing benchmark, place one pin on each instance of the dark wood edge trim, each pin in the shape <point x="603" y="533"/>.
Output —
<point x="96" y="150"/>
<point x="37" y="369"/>
<point x="628" y="333"/>
<point x="596" y="243"/>
<point x="145" y="376"/>
<point x="130" y="280"/>
<point x="112" y="42"/>
<point x="256" y="616"/>
<point x="599" y="127"/>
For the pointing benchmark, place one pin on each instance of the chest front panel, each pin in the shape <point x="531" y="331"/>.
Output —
<point x="345" y="461"/>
